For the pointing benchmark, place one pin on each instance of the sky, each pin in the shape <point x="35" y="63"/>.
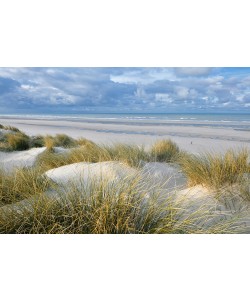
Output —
<point x="124" y="90"/>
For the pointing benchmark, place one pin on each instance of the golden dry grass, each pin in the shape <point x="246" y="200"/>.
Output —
<point x="101" y="208"/>
<point x="215" y="170"/>
<point x="90" y="152"/>
<point x="49" y="142"/>
<point x="165" y="151"/>
<point x="121" y="207"/>
<point x="21" y="184"/>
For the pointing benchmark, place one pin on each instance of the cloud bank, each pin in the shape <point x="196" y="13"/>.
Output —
<point x="95" y="90"/>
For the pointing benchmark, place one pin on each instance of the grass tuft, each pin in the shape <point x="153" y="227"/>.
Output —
<point x="165" y="151"/>
<point x="18" y="141"/>
<point x="11" y="128"/>
<point x="63" y="140"/>
<point x="103" y="208"/>
<point x="90" y="152"/>
<point x="21" y="184"/>
<point x="49" y="142"/>
<point x="37" y="141"/>
<point x="215" y="170"/>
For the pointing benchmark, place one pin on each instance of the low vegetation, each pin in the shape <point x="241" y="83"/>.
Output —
<point x="21" y="184"/>
<point x="121" y="207"/>
<point x="90" y="152"/>
<point x="37" y="141"/>
<point x="215" y="170"/>
<point x="116" y="208"/>
<point x="165" y="151"/>
<point x="17" y="141"/>
<point x="10" y="128"/>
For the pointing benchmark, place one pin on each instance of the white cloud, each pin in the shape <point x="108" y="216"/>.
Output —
<point x="182" y="92"/>
<point x="144" y="76"/>
<point x="161" y="97"/>
<point x="193" y="71"/>
<point x="26" y="87"/>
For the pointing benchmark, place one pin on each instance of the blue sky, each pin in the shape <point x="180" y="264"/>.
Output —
<point x="124" y="90"/>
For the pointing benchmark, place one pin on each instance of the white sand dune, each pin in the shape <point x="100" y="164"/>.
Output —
<point x="152" y="174"/>
<point x="83" y="173"/>
<point x="195" y="201"/>
<point x="19" y="159"/>
<point x="166" y="175"/>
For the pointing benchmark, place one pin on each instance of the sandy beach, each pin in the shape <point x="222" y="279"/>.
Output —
<point x="193" y="136"/>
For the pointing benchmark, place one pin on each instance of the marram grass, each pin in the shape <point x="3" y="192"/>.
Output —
<point x="215" y="170"/>
<point x="165" y="151"/>
<point x="30" y="203"/>
<point x="108" y="208"/>
<point x="21" y="184"/>
<point x="90" y="152"/>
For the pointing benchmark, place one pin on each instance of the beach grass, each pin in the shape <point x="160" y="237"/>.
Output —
<point x="37" y="141"/>
<point x="21" y="184"/>
<point x="129" y="154"/>
<point x="124" y="206"/>
<point x="63" y="140"/>
<point x="17" y="141"/>
<point x="10" y="128"/>
<point x="132" y="155"/>
<point x="49" y="142"/>
<point x="165" y="151"/>
<point x="106" y="208"/>
<point x="215" y="170"/>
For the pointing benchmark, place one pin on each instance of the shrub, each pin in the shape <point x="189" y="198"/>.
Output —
<point x="215" y="170"/>
<point x="165" y="151"/>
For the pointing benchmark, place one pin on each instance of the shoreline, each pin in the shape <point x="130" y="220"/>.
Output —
<point x="190" y="138"/>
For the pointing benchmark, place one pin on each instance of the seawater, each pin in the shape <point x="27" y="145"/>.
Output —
<point x="239" y="121"/>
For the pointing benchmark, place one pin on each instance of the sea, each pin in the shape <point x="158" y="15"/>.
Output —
<point x="237" y="121"/>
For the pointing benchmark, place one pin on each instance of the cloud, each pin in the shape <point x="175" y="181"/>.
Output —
<point x="182" y="92"/>
<point x="123" y="89"/>
<point x="143" y="75"/>
<point x="193" y="71"/>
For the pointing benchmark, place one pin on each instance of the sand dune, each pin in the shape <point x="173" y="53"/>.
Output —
<point x="83" y="173"/>
<point x="19" y="159"/>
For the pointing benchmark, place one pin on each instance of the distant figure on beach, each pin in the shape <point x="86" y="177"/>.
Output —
<point x="191" y="142"/>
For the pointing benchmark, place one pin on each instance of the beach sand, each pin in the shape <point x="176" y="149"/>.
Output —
<point x="194" y="137"/>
